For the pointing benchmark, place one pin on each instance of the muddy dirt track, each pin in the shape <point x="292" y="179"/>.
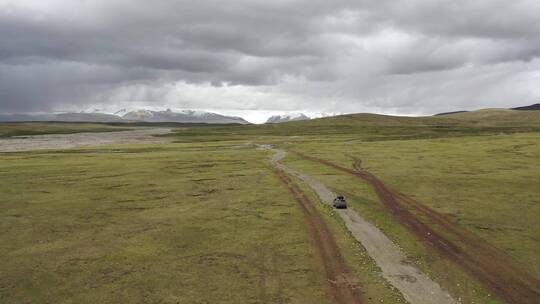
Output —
<point x="87" y="139"/>
<point x="343" y="289"/>
<point x="415" y="286"/>
<point x="491" y="266"/>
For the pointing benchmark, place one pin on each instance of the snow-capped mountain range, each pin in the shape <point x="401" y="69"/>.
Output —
<point x="147" y="115"/>
<point x="185" y="116"/>
<point x="287" y="118"/>
<point x="123" y="115"/>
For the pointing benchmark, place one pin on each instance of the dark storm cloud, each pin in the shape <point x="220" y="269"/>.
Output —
<point x="332" y="55"/>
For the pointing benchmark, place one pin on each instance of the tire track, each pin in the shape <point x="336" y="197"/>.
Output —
<point x="491" y="266"/>
<point x="342" y="289"/>
<point x="415" y="286"/>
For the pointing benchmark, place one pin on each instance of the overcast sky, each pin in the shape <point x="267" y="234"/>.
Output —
<point x="258" y="57"/>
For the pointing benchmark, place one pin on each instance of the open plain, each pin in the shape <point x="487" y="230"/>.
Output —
<point x="441" y="210"/>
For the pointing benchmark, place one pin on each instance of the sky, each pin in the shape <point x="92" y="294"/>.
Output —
<point x="257" y="58"/>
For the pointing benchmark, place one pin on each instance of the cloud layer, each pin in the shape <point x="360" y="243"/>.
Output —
<point x="403" y="57"/>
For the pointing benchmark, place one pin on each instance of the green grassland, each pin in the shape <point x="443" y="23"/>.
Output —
<point x="486" y="184"/>
<point x="205" y="219"/>
<point x="363" y="199"/>
<point x="179" y="223"/>
<point x="480" y="168"/>
<point x="183" y="224"/>
<point x="40" y="128"/>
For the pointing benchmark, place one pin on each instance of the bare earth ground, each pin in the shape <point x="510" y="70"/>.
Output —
<point x="63" y="141"/>
<point x="415" y="286"/>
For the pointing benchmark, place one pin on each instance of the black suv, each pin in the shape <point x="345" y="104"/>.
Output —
<point x="340" y="202"/>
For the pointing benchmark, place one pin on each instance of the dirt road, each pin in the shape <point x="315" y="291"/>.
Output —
<point x="342" y="288"/>
<point x="416" y="287"/>
<point x="491" y="266"/>
<point x="63" y="141"/>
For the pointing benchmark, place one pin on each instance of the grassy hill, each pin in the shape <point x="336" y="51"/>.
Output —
<point x="499" y="117"/>
<point x="373" y="127"/>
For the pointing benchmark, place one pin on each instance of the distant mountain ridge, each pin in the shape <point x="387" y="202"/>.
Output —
<point x="185" y="116"/>
<point x="534" y="107"/>
<point x="287" y="118"/>
<point x="450" y="113"/>
<point x="62" y="117"/>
